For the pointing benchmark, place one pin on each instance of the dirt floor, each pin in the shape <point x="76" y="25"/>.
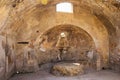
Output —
<point x="43" y="75"/>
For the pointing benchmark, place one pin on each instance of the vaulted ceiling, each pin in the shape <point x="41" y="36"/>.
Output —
<point x="14" y="11"/>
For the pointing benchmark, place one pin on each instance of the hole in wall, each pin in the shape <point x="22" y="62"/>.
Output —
<point x="65" y="7"/>
<point x="37" y="31"/>
<point x="22" y="42"/>
<point x="14" y="5"/>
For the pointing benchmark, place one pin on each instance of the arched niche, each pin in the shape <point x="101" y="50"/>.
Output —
<point x="76" y="37"/>
<point x="80" y="44"/>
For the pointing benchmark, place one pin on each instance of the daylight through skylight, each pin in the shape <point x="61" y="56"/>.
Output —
<point x="64" y="7"/>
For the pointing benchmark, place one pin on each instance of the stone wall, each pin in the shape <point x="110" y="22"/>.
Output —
<point x="2" y="57"/>
<point x="7" y="57"/>
<point x="115" y="56"/>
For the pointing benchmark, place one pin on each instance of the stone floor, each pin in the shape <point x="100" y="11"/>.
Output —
<point x="43" y="75"/>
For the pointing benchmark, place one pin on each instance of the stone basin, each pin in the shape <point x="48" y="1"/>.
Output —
<point x="67" y="69"/>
